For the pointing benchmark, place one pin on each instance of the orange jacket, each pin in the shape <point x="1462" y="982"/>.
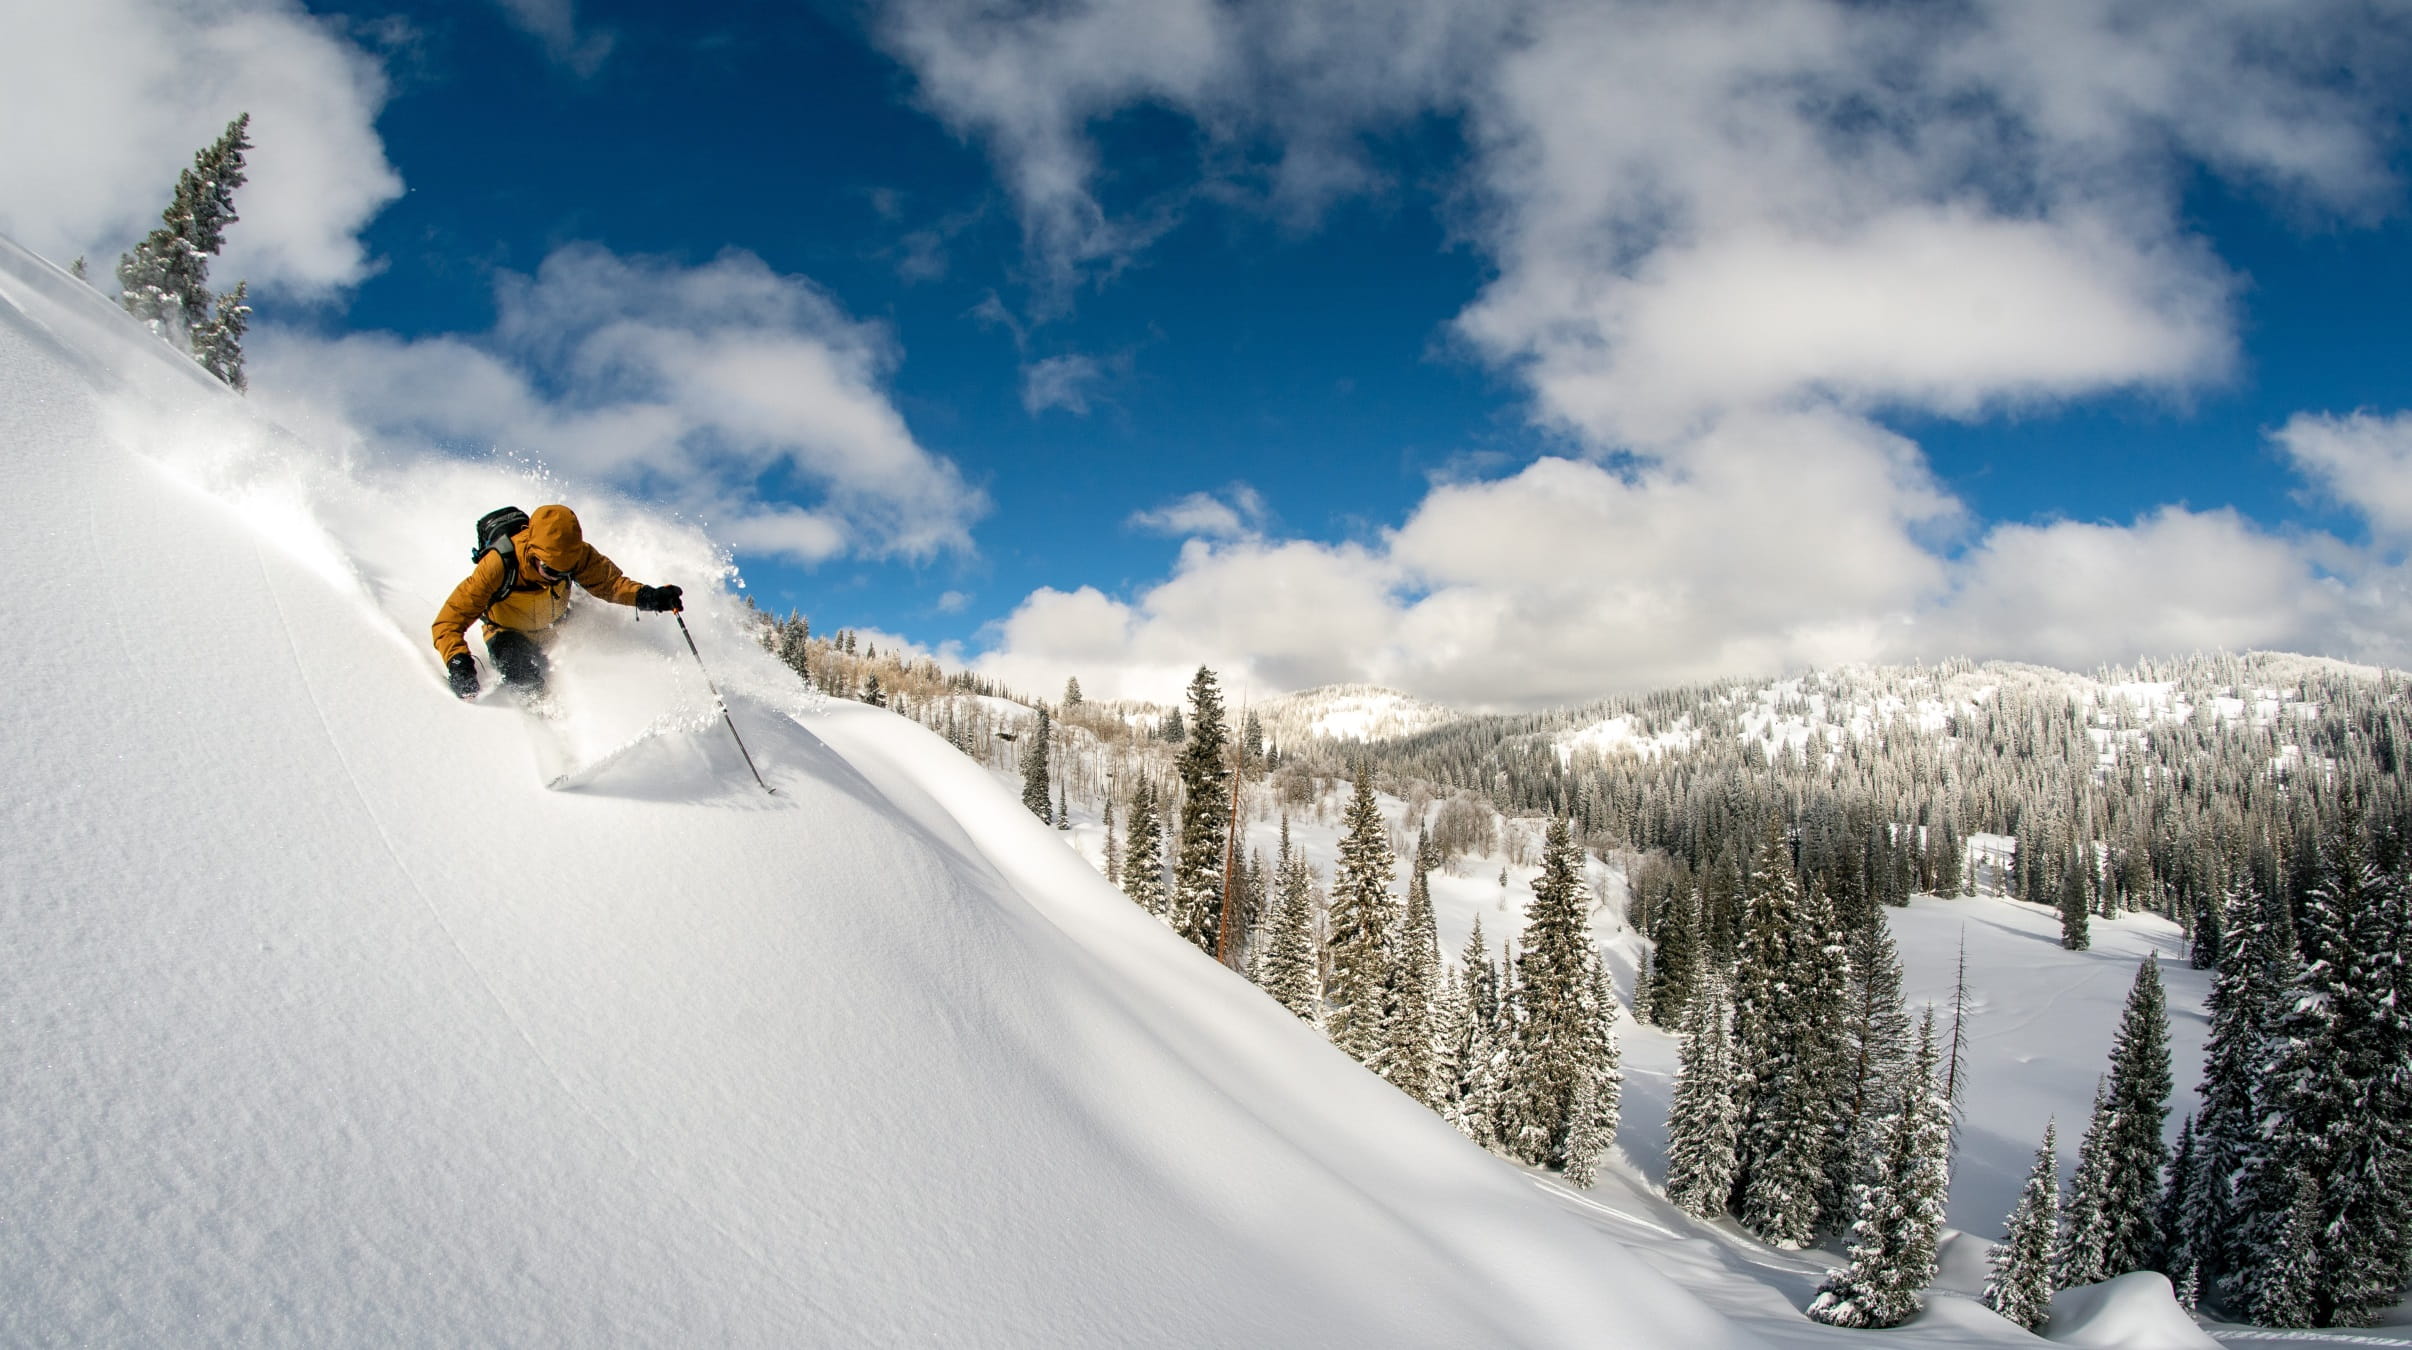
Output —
<point x="552" y="539"/>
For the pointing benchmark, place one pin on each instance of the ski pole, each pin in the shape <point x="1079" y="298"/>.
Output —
<point x="724" y="703"/>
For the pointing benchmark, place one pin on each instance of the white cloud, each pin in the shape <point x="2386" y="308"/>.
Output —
<point x="2075" y="594"/>
<point x="2363" y="460"/>
<point x="1205" y="516"/>
<point x="1724" y="236"/>
<point x="1060" y="382"/>
<point x="103" y="102"/>
<point x="721" y="390"/>
<point x="1774" y="542"/>
<point x="1940" y="308"/>
<point x="554" y="23"/>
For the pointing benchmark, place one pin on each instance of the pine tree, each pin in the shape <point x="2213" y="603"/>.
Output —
<point x="1599" y="1105"/>
<point x="1409" y="1056"/>
<point x="1071" y="693"/>
<point x="2132" y="1154"/>
<point x="2074" y="907"/>
<point x="1143" y="856"/>
<point x="1675" y="970"/>
<point x="1292" y="976"/>
<point x="164" y="281"/>
<point x="1363" y="926"/>
<point x="2177" y="1248"/>
<point x="2285" y="1290"/>
<point x="1561" y="1057"/>
<point x="1038" y="790"/>
<point x="1895" y="1240"/>
<point x="2084" y="1226"/>
<point x="2332" y="1089"/>
<point x="1205" y="817"/>
<point x="1876" y="1052"/>
<point x="1705" y="1118"/>
<point x="1474" y="1099"/>
<point x="2020" y="1288"/>
<point x="1955" y="1078"/>
<point x="1788" y="1019"/>
<point x="2257" y="963"/>
<point x="1113" y="846"/>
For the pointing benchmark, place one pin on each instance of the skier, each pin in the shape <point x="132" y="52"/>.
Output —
<point x="521" y="587"/>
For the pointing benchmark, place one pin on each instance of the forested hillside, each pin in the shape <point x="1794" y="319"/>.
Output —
<point x="1746" y="839"/>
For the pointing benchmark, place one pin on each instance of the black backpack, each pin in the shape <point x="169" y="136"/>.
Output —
<point x="494" y="531"/>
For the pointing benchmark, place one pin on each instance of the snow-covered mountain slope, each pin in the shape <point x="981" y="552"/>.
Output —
<point x="1349" y="712"/>
<point x="1836" y="707"/>
<point x="328" y="1025"/>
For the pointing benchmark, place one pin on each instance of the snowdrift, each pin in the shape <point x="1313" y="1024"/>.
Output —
<point x="328" y="1025"/>
<point x="2133" y="1312"/>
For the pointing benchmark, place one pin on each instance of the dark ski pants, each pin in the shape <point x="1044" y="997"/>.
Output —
<point x="519" y="659"/>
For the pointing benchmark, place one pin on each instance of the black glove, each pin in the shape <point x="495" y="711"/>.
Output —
<point x="658" y="599"/>
<point x="462" y="672"/>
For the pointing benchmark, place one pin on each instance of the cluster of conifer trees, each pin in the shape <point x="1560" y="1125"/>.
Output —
<point x="164" y="280"/>
<point x="2288" y="1199"/>
<point x="1521" y="1056"/>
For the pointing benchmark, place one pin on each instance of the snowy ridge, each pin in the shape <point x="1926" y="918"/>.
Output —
<point x="1349" y="712"/>
<point x="1833" y="708"/>
<point x="334" y="1027"/>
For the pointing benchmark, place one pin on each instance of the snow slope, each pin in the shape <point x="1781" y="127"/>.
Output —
<point x="327" y="1025"/>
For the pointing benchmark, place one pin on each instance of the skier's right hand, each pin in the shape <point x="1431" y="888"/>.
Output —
<point x="462" y="672"/>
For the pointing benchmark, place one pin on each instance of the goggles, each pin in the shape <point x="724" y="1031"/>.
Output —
<point x="548" y="571"/>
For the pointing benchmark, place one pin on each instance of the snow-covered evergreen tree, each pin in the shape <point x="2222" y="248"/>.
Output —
<point x="1409" y="1059"/>
<point x="2333" y="1093"/>
<point x="1788" y="1020"/>
<point x="2124" y="1202"/>
<point x="1292" y="972"/>
<point x="1875" y="1045"/>
<point x="1143" y="855"/>
<point x="1896" y="1237"/>
<point x="1364" y="926"/>
<point x="1197" y="900"/>
<point x="164" y="280"/>
<point x="1600" y="1110"/>
<point x="2284" y="1288"/>
<point x="1038" y="788"/>
<point x="2075" y="906"/>
<point x="2020" y="1287"/>
<point x="1705" y="1117"/>
<point x="1955" y="1056"/>
<point x="2177" y="1249"/>
<point x="1477" y="1056"/>
<point x="2084" y="1227"/>
<point x="1556" y="1040"/>
<point x="2257" y="962"/>
<point x="1675" y="960"/>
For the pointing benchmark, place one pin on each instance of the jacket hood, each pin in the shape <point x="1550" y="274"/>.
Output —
<point x="553" y="532"/>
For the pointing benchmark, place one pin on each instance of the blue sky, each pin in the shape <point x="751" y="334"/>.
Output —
<point x="1504" y="352"/>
